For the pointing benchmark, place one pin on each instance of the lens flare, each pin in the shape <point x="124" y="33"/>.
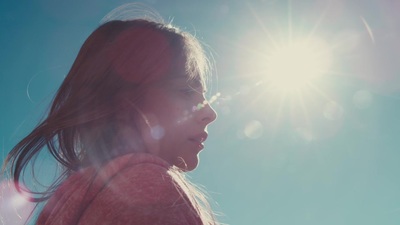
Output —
<point x="14" y="208"/>
<point x="157" y="132"/>
<point x="253" y="129"/>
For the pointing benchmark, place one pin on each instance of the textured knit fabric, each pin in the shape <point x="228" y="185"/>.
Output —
<point x="131" y="189"/>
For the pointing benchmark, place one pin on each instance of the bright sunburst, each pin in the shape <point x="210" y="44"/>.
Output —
<point x="295" y="65"/>
<point x="287" y="72"/>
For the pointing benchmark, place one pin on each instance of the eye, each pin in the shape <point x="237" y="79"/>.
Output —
<point x="188" y="91"/>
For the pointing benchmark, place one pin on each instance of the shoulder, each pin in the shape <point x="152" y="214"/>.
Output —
<point x="144" y="182"/>
<point x="144" y="193"/>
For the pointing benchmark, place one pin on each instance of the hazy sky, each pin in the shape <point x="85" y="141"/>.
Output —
<point x="309" y="150"/>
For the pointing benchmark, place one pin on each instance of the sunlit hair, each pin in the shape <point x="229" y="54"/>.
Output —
<point x="119" y="57"/>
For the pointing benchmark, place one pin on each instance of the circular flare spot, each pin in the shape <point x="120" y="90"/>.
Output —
<point x="253" y="129"/>
<point x="157" y="132"/>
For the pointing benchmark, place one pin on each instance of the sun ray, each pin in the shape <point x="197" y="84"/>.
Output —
<point x="288" y="69"/>
<point x="319" y="21"/>
<point x="320" y="92"/>
<point x="241" y="46"/>
<point x="264" y="28"/>
<point x="290" y="31"/>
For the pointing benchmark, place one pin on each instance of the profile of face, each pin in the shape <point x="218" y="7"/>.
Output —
<point x="160" y="70"/>
<point x="174" y="119"/>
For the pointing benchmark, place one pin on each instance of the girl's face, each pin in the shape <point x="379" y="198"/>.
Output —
<point x="173" y="121"/>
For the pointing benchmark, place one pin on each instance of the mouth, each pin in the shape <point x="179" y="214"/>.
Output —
<point x="199" y="139"/>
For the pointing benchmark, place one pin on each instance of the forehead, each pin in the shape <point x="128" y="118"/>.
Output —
<point x="181" y="74"/>
<point x="186" y="70"/>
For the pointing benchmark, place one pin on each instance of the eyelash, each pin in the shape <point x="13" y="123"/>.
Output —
<point x="188" y="91"/>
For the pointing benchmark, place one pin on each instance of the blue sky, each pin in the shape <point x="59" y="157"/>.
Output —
<point x="325" y="154"/>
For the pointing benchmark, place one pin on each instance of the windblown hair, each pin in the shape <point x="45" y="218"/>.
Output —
<point x="81" y="126"/>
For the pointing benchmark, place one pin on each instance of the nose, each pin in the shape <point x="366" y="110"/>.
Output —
<point x="206" y="114"/>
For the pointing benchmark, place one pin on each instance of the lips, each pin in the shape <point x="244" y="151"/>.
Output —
<point x="198" y="139"/>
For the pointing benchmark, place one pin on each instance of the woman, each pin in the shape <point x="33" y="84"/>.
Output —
<point x="127" y="121"/>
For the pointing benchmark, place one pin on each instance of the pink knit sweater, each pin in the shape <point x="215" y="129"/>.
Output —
<point x="131" y="189"/>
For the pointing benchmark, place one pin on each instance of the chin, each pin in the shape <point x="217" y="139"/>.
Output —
<point x="190" y="168"/>
<point x="188" y="164"/>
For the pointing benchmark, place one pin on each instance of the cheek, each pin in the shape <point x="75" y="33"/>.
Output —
<point x="184" y="117"/>
<point x="174" y="114"/>
<point x="151" y="125"/>
<point x="163" y="114"/>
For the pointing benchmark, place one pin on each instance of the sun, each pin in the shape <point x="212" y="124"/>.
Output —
<point x="295" y="65"/>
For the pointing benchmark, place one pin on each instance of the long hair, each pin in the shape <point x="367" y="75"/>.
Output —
<point x="82" y="123"/>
